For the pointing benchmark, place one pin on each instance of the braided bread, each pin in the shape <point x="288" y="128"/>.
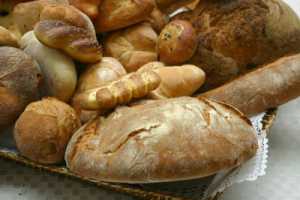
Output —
<point x="121" y="91"/>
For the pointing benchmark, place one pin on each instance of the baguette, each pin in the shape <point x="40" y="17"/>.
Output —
<point x="160" y="141"/>
<point x="264" y="88"/>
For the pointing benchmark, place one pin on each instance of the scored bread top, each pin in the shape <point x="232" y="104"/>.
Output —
<point x="165" y="140"/>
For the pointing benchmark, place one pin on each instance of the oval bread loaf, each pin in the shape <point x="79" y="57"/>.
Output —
<point x="164" y="140"/>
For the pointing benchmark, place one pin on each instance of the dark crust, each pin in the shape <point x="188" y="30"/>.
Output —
<point x="233" y="37"/>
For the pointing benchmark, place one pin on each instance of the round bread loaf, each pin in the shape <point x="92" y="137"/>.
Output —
<point x="236" y="36"/>
<point x="164" y="140"/>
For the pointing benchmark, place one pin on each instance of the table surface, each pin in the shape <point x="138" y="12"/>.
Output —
<point x="282" y="180"/>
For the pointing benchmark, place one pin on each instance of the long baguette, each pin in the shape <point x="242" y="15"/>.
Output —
<point x="264" y="88"/>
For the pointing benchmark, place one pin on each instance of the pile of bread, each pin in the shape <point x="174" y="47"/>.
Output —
<point x="132" y="91"/>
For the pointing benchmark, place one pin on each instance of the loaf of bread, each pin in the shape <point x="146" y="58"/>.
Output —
<point x="237" y="36"/>
<point x="44" y="129"/>
<point x="264" y="88"/>
<point x="20" y="79"/>
<point x="174" y="139"/>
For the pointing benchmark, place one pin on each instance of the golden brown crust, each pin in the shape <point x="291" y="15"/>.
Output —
<point x="68" y="14"/>
<point x="176" y="81"/>
<point x="97" y="75"/>
<point x="133" y="46"/>
<point x="77" y="42"/>
<point x="20" y="79"/>
<point x="115" y="14"/>
<point x="89" y="7"/>
<point x="7" y="38"/>
<point x="132" y="86"/>
<point x="177" y="42"/>
<point x="162" y="144"/>
<point x="264" y="88"/>
<point x="237" y="36"/>
<point x="27" y="14"/>
<point x="44" y="129"/>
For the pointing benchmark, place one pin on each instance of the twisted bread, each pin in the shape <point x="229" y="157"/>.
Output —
<point x="121" y="91"/>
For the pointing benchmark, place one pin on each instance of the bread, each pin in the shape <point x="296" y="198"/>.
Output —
<point x="27" y="14"/>
<point x="20" y="79"/>
<point x="116" y="14"/>
<point x="133" y="46"/>
<point x="97" y="75"/>
<point x="264" y="88"/>
<point x="175" y="139"/>
<point x="158" y="19"/>
<point x="237" y="36"/>
<point x="44" y="129"/>
<point x="122" y="91"/>
<point x="68" y="14"/>
<point x="89" y="7"/>
<point x="176" y="81"/>
<point x="75" y="41"/>
<point x="7" y="38"/>
<point x="58" y="69"/>
<point x="177" y="42"/>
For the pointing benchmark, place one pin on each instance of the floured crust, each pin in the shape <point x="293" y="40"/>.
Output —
<point x="165" y="140"/>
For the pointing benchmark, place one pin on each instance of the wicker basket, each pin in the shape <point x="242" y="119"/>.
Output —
<point x="162" y="191"/>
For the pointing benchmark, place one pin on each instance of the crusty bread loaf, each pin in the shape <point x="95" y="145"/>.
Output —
<point x="236" y="36"/>
<point x="43" y="130"/>
<point x="264" y="88"/>
<point x="20" y="78"/>
<point x="164" y="140"/>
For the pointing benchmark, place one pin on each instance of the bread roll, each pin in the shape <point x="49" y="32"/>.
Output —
<point x="77" y="42"/>
<point x="133" y="46"/>
<point x="89" y="7"/>
<point x="264" y="88"/>
<point x="20" y="78"/>
<point x="176" y="81"/>
<point x="177" y="42"/>
<point x="44" y="129"/>
<point x="27" y="14"/>
<point x="58" y="69"/>
<point x="116" y="14"/>
<point x="97" y="75"/>
<point x="237" y="36"/>
<point x="132" y="86"/>
<point x="158" y="20"/>
<point x="7" y="38"/>
<point x="166" y="140"/>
